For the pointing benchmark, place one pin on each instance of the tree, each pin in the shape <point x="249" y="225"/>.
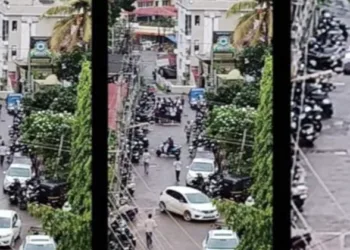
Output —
<point x="58" y="99"/>
<point x="72" y="230"/>
<point x="43" y="131"/>
<point x="246" y="30"/>
<point x="74" y="29"/>
<point x="115" y="8"/>
<point x="227" y="124"/>
<point x="250" y="60"/>
<point x="254" y="224"/>
<point x="68" y="64"/>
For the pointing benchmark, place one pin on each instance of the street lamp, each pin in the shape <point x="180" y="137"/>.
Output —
<point x="212" y="16"/>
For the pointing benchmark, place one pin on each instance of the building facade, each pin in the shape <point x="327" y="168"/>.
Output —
<point x="20" y="20"/>
<point x="197" y="19"/>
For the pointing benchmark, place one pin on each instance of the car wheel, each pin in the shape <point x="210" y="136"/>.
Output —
<point x="158" y="153"/>
<point x="162" y="207"/>
<point x="13" y="243"/>
<point x="187" y="216"/>
<point x="19" y="235"/>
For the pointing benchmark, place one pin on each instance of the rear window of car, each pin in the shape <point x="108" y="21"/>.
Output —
<point x="222" y="243"/>
<point x="38" y="246"/>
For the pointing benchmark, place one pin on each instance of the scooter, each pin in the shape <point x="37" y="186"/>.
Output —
<point x="175" y="151"/>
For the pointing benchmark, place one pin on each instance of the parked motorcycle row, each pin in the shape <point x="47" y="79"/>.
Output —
<point x="168" y="110"/>
<point x="311" y="105"/>
<point x="134" y="145"/>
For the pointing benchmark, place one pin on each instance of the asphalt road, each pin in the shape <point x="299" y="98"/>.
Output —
<point x="27" y="220"/>
<point x="172" y="232"/>
<point x="327" y="210"/>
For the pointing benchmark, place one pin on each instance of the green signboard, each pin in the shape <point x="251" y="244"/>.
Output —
<point x="39" y="49"/>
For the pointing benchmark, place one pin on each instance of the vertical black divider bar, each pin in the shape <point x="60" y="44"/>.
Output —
<point x="281" y="124"/>
<point x="99" y="124"/>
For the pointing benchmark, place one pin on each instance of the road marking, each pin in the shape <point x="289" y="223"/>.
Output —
<point x="338" y="83"/>
<point x="326" y="127"/>
<point x="338" y="123"/>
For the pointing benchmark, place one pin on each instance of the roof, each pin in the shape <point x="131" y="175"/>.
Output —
<point x="184" y="190"/>
<point x="222" y="234"/>
<point x="232" y="75"/>
<point x="155" y="11"/>
<point x="7" y="213"/>
<point x="50" y="80"/>
<point x="115" y="63"/>
<point x="204" y="160"/>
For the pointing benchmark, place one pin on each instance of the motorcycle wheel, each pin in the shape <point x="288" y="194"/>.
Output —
<point x="158" y="153"/>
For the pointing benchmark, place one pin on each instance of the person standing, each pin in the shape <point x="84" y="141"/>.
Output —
<point x="146" y="159"/>
<point x="178" y="167"/>
<point x="3" y="149"/>
<point x="150" y="225"/>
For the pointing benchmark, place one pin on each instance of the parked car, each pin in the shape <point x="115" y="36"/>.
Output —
<point x="10" y="228"/>
<point x="220" y="239"/>
<point x="38" y="242"/>
<point x="188" y="202"/>
<point x="20" y="171"/>
<point x="202" y="166"/>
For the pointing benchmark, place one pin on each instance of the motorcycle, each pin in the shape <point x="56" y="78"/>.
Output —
<point x="175" y="151"/>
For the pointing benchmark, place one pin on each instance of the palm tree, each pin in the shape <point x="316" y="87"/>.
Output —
<point x="74" y="29"/>
<point x="255" y="24"/>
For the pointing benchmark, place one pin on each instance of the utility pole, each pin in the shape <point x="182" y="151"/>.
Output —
<point x="242" y="149"/>
<point x="29" y="72"/>
<point x="59" y="155"/>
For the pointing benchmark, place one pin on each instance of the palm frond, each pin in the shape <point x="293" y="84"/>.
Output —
<point x="61" y="32"/>
<point x="87" y="29"/>
<point x="258" y="33"/>
<point x="63" y="10"/>
<point x="270" y="25"/>
<point x="244" y="26"/>
<point x="240" y="6"/>
<point x="74" y="40"/>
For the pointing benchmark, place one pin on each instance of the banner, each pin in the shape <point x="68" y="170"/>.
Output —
<point x="222" y="42"/>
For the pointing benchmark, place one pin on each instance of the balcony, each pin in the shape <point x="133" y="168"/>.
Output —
<point x="156" y="23"/>
<point x="146" y="29"/>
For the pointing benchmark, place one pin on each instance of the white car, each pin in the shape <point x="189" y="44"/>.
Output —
<point x="10" y="228"/>
<point x="19" y="171"/>
<point x="38" y="242"/>
<point x="220" y="239"/>
<point x="202" y="166"/>
<point x="188" y="202"/>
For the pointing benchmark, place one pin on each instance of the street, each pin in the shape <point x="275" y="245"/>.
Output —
<point x="172" y="232"/>
<point x="27" y="220"/>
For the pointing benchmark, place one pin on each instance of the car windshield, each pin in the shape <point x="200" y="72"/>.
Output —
<point x="5" y="222"/>
<point x="18" y="172"/>
<point x="48" y="246"/>
<point x="202" y="167"/>
<point x="222" y="243"/>
<point x="197" y="198"/>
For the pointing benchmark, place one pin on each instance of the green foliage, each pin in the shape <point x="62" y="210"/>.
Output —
<point x="238" y="94"/>
<point x="72" y="230"/>
<point x="227" y="124"/>
<point x="68" y="64"/>
<point x="42" y="132"/>
<point x="58" y="99"/>
<point x="115" y="8"/>
<point x="250" y="61"/>
<point x="254" y="224"/>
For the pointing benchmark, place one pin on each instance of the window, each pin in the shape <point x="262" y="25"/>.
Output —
<point x="197" y="198"/>
<point x="188" y="25"/>
<point x="180" y="62"/>
<point x="14" y="50"/>
<point x="196" y="45"/>
<point x="197" y="20"/>
<point x="156" y="3"/>
<point x="14" y="25"/>
<point x="5" y="222"/>
<point x="166" y="3"/>
<point x="5" y="30"/>
<point x="14" y="220"/>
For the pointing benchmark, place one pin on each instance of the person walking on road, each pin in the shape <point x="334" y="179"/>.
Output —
<point x="150" y="225"/>
<point x="178" y="167"/>
<point x="3" y="149"/>
<point x="146" y="160"/>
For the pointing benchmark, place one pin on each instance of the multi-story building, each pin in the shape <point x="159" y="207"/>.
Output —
<point x="197" y="20"/>
<point x="19" y="21"/>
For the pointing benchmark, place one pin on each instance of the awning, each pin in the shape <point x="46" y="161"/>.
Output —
<point x="155" y="11"/>
<point x="172" y="38"/>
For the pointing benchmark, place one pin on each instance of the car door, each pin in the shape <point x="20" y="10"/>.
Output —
<point x="171" y="200"/>
<point x="15" y="225"/>
<point x="182" y="204"/>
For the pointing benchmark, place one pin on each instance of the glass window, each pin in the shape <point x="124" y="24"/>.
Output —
<point x="14" y="25"/>
<point x="197" y="20"/>
<point x="14" y="50"/>
<point x="156" y="3"/>
<point x="222" y="243"/>
<point x="202" y="167"/>
<point x="5" y="30"/>
<point x="197" y="198"/>
<point x="5" y="222"/>
<point x="18" y="172"/>
<point x="48" y="246"/>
